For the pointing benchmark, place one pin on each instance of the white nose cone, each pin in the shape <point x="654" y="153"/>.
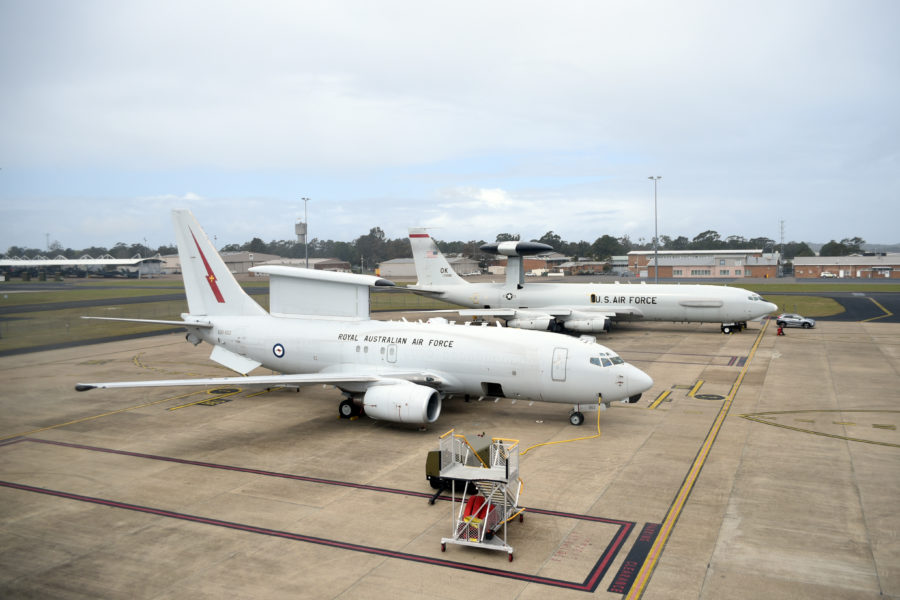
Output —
<point x="638" y="381"/>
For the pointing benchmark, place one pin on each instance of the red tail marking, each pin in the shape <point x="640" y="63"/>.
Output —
<point x="418" y="235"/>
<point x="210" y="277"/>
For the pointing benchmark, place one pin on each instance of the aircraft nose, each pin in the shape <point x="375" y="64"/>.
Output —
<point x="638" y="381"/>
<point x="768" y="308"/>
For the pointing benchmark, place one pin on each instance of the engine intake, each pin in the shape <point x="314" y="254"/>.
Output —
<point x="595" y="325"/>
<point x="403" y="403"/>
<point x="539" y="323"/>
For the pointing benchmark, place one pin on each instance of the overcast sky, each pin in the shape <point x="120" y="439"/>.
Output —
<point x="475" y="118"/>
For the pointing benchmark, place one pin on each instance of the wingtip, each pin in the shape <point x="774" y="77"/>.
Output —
<point x="83" y="387"/>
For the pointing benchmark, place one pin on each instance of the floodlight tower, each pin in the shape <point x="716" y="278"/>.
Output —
<point x="655" y="230"/>
<point x="306" y="231"/>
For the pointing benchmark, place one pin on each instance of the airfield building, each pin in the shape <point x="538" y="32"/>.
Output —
<point x="867" y="266"/>
<point x="704" y="264"/>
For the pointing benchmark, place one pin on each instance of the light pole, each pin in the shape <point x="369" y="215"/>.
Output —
<point x="306" y="237"/>
<point x="655" y="231"/>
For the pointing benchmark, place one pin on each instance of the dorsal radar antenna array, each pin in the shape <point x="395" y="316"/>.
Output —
<point x="515" y="251"/>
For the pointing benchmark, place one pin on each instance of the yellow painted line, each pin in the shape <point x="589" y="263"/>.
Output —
<point x="660" y="399"/>
<point x="696" y="388"/>
<point x="668" y="524"/>
<point x="107" y="414"/>
<point x="887" y="313"/>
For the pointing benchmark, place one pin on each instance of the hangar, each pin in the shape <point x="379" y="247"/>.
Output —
<point x="867" y="266"/>
<point x="705" y="264"/>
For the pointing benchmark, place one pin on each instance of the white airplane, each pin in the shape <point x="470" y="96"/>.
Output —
<point x="575" y="307"/>
<point x="318" y="331"/>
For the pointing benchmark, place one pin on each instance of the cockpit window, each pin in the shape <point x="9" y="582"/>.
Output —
<point x="603" y="361"/>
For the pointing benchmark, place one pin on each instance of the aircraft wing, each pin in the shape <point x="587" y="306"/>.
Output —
<point x="609" y="311"/>
<point x="337" y="379"/>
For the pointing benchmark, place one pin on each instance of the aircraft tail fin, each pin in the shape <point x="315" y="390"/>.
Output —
<point x="431" y="266"/>
<point x="210" y="287"/>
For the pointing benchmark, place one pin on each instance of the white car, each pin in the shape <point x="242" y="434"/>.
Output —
<point x="793" y="320"/>
<point x="827" y="275"/>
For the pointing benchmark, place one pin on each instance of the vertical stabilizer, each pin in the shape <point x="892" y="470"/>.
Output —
<point x="431" y="266"/>
<point x="210" y="287"/>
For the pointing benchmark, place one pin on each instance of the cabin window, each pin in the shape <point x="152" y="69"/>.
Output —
<point x="593" y="298"/>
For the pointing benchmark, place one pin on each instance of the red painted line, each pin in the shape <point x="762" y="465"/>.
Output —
<point x="590" y="583"/>
<point x="418" y="235"/>
<point x="307" y="479"/>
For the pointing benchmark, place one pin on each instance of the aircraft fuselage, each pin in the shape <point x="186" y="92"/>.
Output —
<point x="473" y="360"/>
<point x="652" y="302"/>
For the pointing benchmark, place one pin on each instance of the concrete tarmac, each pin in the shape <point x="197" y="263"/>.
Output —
<point x="758" y="466"/>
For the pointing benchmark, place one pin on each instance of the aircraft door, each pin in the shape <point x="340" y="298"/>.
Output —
<point x="560" y="356"/>
<point x="392" y="353"/>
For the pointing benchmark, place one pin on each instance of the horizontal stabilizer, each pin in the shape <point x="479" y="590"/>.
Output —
<point x="201" y="324"/>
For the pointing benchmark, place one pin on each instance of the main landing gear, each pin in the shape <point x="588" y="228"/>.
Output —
<point x="348" y="409"/>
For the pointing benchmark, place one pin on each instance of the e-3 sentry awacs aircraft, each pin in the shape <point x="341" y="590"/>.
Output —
<point x="575" y="307"/>
<point x="318" y="331"/>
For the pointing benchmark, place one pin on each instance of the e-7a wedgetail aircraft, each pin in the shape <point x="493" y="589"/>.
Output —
<point x="575" y="307"/>
<point x="318" y="331"/>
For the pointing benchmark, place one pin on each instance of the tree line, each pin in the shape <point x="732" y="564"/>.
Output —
<point x="374" y="247"/>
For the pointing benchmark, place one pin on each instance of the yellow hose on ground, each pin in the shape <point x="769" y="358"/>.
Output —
<point x="589" y="437"/>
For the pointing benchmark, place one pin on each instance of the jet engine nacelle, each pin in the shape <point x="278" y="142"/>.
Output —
<point x="403" y="403"/>
<point x="593" y="325"/>
<point x="539" y="323"/>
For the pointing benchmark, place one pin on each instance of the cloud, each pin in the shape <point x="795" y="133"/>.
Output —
<point x="512" y="113"/>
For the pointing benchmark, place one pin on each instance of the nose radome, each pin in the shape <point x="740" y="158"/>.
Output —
<point x="638" y="381"/>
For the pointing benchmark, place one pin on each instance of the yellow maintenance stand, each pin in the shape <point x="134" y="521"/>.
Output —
<point x="479" y="518"/>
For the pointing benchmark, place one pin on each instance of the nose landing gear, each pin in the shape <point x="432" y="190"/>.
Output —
<point x="734" y="327"/>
